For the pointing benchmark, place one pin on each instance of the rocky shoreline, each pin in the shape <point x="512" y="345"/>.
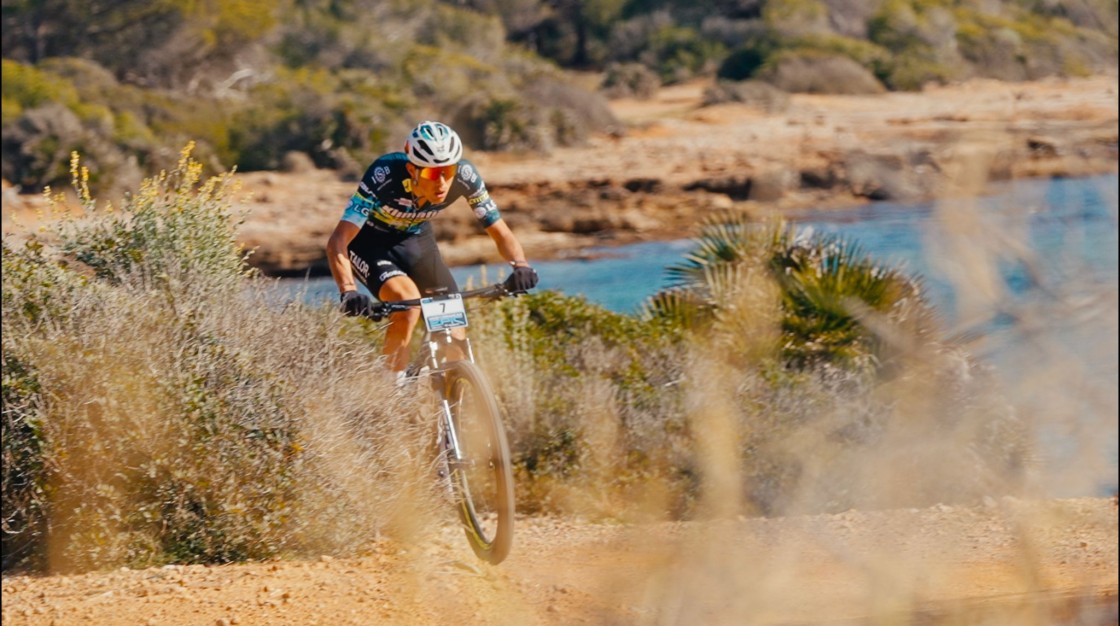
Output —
<point x="677" y="161"/>
<point x="674" y="161"/>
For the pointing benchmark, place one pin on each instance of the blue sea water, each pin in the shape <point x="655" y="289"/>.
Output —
<point x="1029" y="273"/>
<point x="1067" y="225"/>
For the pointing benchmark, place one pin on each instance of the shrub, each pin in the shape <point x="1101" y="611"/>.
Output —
<point x="26" y="87"/>
<point x="35" y="290"/>
<point x="743" y="63"/>
<point x="572" y="113"/>
<point x="114" y="126"/>
<point x="629" y="80"/>
<point x="36" y="145"/>
<point x="755" y="93"/>
<point x="810" y="71"/>
<point x="174" y="230"/>
<point x="501" y="123"/>
<point x="679" y="53"/>
<point x="796" y="17"/>
<point x="751" y="54"/>
<point x="159" y="408"/>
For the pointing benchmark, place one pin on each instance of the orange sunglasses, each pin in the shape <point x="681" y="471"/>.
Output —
<point x="436" y="173"/>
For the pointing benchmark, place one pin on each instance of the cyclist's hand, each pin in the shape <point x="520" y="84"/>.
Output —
<point x="355" y="303"/>
<point x="523" y="278"/>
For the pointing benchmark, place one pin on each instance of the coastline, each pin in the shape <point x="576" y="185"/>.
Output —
<point x="677" y="161"/>
<point x="674" y="161"/>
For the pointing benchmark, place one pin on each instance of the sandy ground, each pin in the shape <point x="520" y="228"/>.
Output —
<point x="1008" y="562"/>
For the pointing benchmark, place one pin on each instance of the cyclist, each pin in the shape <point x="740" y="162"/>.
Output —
<point x="385" y="237"/>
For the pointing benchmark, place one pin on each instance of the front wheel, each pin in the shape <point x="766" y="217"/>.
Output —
<point x="481" y="470"/>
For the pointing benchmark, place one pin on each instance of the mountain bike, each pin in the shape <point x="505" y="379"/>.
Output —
<point x="473" y="457"/>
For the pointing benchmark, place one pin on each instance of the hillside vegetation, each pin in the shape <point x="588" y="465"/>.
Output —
<point x="252" y="82"/>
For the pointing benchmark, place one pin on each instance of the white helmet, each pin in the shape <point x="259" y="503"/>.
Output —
<point x="432" y="144"/>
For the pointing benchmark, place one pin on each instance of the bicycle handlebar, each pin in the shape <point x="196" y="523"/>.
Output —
<point x="377" y="312"/>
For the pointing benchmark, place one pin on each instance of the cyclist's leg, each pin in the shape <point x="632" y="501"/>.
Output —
<point x="421" y="258"/>
<point x="401" y="324"/>
<point x="374" y="261"/>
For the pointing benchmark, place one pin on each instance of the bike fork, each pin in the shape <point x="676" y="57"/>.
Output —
<point x="449" y="447"/>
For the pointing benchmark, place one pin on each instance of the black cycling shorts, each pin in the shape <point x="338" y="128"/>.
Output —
<point x="377" y="255"/>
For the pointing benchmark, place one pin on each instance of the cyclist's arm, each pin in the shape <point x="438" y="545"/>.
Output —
<point x="338" y="258"/>
<point x="508" y="245"/>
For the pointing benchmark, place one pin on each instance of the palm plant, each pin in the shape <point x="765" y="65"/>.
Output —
<point x="827" y="289"/>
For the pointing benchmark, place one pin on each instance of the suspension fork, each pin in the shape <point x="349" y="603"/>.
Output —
<point x="451" y="436"/>
<point x="438" y="362"/>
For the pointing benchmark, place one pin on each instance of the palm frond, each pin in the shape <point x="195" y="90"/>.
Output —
<point x="725" y="237"/>
<point x="681" y="307"/>
<point x="822" y="284"/>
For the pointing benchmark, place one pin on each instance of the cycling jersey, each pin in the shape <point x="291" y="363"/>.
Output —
<point x="384" y="198"/>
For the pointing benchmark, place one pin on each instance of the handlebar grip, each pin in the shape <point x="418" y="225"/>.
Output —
<point x="377" y="312"/>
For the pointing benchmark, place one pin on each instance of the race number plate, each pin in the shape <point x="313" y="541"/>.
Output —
<point x="444" y="312"/>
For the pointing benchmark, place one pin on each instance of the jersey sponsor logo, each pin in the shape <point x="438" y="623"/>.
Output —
<point x="357" y="212"/>
<point x="384" y="276"/>
<point x="411" y="216"/>
<point x="379" y="173"/>
<point x="359" y="264"/>
<point x="479" y="198"/>
<point x="366" y="191"/>
<point x="361" y="205"/>
<point x="468" y="173"/>
<point x="484" y="209"/>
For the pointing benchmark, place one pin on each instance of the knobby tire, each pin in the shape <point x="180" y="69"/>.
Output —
<point x="484" y="479"/>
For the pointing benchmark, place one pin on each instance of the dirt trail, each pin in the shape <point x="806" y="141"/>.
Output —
<point x="1010" y="562"/>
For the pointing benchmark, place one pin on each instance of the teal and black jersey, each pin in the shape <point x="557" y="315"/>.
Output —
<point x="385" y="201"/>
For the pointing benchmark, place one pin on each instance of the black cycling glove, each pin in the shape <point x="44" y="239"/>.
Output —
<point x="523" y="278"/>
<point x="355" y="303"/>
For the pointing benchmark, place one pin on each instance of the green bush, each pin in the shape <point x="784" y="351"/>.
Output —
<point x="629" y="80"/>
<point x="593" y="403"/>
<point x="755" y="93"/>
<point x="742" y="63"/>
<point x="121" y="130"/>
<point x="175" y="229"/>
<point x="27" y="87"/>
<point x="813" y="71"/>
<point x="679" y="53"/>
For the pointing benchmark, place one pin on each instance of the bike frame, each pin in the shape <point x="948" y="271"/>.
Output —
<point x="436" y="359"/>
